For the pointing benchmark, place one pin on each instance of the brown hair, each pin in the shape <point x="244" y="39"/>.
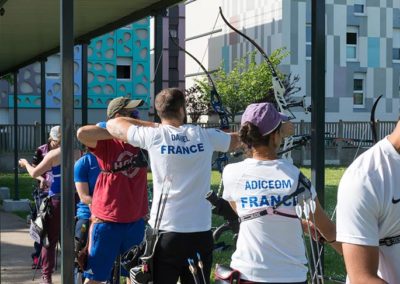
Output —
<point x="168" y="102"/>
<point x="250" y="135"/>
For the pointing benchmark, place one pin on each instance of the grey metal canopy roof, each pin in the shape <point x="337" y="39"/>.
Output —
<point x="30" y="30"/>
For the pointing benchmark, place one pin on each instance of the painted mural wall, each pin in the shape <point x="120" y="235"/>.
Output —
<point x="118" y="65"/>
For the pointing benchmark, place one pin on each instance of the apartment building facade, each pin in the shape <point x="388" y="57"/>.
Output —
<point x="362" y="48"/>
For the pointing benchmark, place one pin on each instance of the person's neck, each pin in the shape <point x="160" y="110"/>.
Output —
<point x="264" y="154"/>
<point x="172" y="122"/>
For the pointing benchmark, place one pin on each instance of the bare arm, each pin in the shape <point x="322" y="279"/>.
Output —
<point x="233" y="205"/>
<point x="326" y="227"/>
<point x="118" y="127"/>
<point x="83" y="191"/>
<point x="51" y="159"/>
<point x="90" y="134"/>
<point x="362" y="263"/>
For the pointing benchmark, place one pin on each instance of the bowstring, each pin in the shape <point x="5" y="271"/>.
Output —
<point x="220" y="164"/>
<point x="209" y="37"/>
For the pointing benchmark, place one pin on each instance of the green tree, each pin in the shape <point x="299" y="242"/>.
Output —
<point x="248" y="82"/>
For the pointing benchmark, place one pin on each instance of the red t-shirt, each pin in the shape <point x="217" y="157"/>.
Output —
<point x="122" y="196"/>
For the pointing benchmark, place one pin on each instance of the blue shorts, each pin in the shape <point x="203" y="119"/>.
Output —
<point x="107" y="241"/>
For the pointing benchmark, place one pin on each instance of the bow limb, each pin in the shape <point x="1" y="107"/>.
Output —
<point x="279" y="88"/>
<point x="216" y="101"/>
<point x="373" y="121"/>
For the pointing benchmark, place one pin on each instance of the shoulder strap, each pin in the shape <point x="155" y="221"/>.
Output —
<point x="267" y="211"/>
<point x="389" y="241"/>
<point x="140" y="161"/>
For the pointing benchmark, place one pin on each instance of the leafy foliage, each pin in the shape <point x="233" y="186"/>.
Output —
<point x="248" y="82"/>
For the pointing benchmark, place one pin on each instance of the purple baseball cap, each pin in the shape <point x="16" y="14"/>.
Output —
<point x="264" y="116"/>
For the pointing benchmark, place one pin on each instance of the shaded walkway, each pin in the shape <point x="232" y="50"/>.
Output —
<point x="16" y="248"/>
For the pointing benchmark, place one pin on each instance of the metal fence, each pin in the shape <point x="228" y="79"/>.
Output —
<point x="28" y="137"/>
<point x="357" y="134"/>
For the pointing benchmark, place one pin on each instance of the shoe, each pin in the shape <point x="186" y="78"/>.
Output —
<point x="46" y="280"/>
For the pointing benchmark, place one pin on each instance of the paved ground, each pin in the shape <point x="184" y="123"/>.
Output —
<point x="16" y="248"/>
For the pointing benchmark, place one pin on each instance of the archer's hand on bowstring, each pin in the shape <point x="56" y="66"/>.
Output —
<point x="316" y="235"/>
<point x="319" y="237"/>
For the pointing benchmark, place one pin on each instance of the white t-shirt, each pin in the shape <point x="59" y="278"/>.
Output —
<point x="184" y="154"/>
<point x="269" y="248"/>
<point x="367" y="210"/>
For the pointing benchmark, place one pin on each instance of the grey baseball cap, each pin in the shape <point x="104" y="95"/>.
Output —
<point x="120" y="103"/>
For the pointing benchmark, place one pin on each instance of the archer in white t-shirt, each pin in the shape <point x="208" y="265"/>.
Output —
<point x="183" y="153"/>
<point x="368" y="214"/>
<point x="269" y="248"/>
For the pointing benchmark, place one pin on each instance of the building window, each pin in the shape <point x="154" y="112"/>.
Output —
<point x="124" y="67"/>
<point x="308" y="41"/>
<point x="359" y="7"/>
<point x="358" y="90"/>
<point x="396" y="45"/>
<point x="399" y="86"/>
<point x="173" y="31"/>
<point x="123" y="72"/>
<point x="351" y="41"/>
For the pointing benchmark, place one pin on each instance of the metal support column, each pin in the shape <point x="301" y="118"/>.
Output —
<point x="68" y="134"/>
<point x="43" y="132"/>
<point x="84" y="84"/>
<point x="16" y="188"/>
<point x="158" y="55"/>
<point x="318" y="98"/>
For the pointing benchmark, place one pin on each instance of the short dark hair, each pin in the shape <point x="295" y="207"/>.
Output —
<point x="168" y="102"/>
<point x="250" y="135"/>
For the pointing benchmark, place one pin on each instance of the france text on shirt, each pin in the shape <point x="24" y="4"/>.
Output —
<point x="182" y="150"/>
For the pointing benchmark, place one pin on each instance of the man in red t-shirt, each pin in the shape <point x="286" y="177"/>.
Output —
<point x="120" y="200"/>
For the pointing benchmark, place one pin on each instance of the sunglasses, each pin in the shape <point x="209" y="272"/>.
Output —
<point x="130" y="113"/>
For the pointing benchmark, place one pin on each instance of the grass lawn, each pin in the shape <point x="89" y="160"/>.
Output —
<point x="25" y="183"/>
<point x="333" y="263"/>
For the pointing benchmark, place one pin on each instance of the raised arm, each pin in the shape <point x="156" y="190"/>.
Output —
<point x="90" y="134"/>
<point x="51" y="159"/>
<point x="118" y="127"/>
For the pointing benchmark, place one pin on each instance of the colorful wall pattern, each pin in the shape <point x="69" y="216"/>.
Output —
<point x="127" y="46"/>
